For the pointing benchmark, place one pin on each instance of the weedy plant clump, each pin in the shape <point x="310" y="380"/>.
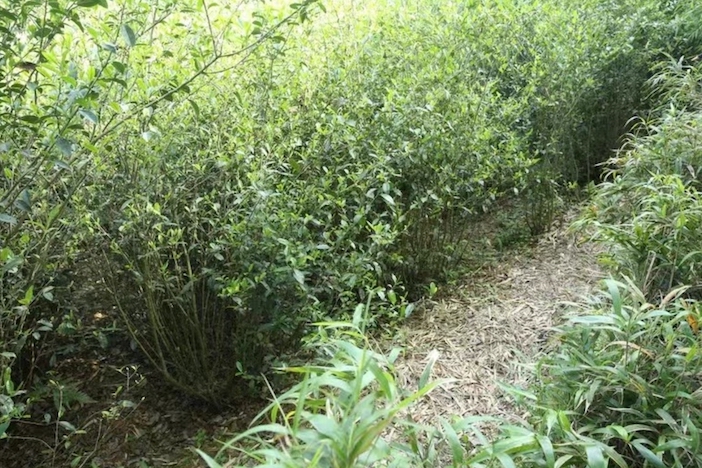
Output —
<point x="648" y="208"/>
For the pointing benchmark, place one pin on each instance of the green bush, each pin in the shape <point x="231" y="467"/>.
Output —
<point x="46" y="127"/>
<point x="78" y="88"/>
<point x="256" y="177"/>
<point x="321" y="165"/>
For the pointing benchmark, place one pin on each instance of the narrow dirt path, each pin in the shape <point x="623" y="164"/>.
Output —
<point x="493" y="322"/>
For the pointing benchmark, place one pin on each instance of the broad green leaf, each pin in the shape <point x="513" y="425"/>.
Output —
<point x="89" y="115"/>
<point x="299" y="276"/>
<point x="7" y="218"/>
<point x="615" y="295"/>
<point x="128" y="35"/>
<point x="119" y="66"/>
<point x="324" y="425"/>
<point x="595" y="457"/>
<point x="547" y="449"/>
<point x="505" y="460"/>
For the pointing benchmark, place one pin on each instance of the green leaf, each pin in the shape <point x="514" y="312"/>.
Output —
<point x="426" y="373"/>
<point x="89" y="115"/>
<point x="615" y="295"/>
<point x="7" y="218"/>
<point x="563" y="460"/>
<point x="595" y="457"/>
<point x="92" y="3"/>
<point x="128" y="35"/>
<point x="324" y="425"/>
<point x="30" y="118"/>
<point x="24" y="202"/>
<point x="65" y="146"/>
<point x="211" y="463"/>
<point x="3" y="429"/>
<point x="409" y="309"/>
<point x="512" y="390"/>
<point x="667" y="418"/>
<point x="694" y="433"/>
<point x="28" y="296"/>
<point x="62" y="165"/>
<point x="299" y="276"/>
<point x="358" y="315"/>
<point x="454" y="442"/>
<point x="68" y="426"/>
<point x="547" y="449"/>
<point x="648" y="454"/>
<point x="506" y="461"/>
<point x="119" y="66"/>
<point x="195" y="107"/>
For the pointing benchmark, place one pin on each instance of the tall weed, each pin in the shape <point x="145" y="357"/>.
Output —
<point x="648" y="208"/>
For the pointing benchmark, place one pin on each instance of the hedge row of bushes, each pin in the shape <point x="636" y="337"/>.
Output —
<point x="352" y="159"/>
<point x="235" y="184"/>
<point x="620" y="385"/>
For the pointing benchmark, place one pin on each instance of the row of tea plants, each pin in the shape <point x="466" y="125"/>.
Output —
<point x="618" y="386"/>
<point x="236" y="172"/>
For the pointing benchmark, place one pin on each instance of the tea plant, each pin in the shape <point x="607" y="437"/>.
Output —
<point x="76" y="82"/>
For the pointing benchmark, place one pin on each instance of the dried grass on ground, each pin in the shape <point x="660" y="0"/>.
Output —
<point x="493" y="323"/>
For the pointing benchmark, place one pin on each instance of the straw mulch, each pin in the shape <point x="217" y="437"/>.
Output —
<point x="492" y="324"/>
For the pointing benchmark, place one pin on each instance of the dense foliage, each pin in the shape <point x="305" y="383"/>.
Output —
<point x="648" y="209"/>
<point x="233" y="173"/>
<point x="620" y="382"/>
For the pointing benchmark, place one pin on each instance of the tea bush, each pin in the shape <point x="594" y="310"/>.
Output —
<point x="619" y="385"/>
<point x="49" y="104"/>
<point x="352" y="157"/>
<point x="235" y="172"/>
<point x="76" y="85"/>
